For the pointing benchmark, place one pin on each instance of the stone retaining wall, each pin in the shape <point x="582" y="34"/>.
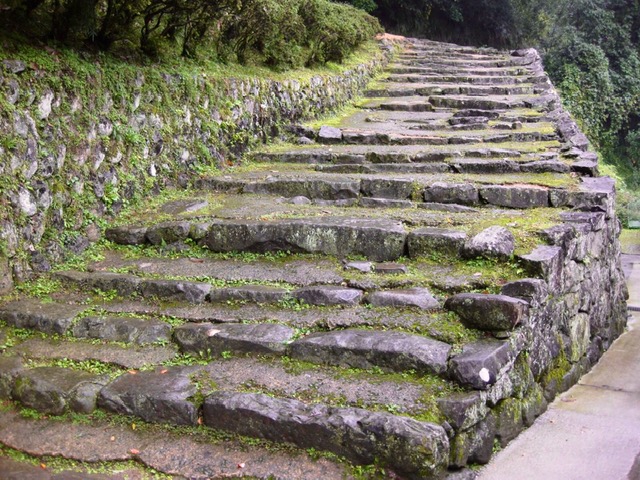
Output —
<point x="80" y="140"/>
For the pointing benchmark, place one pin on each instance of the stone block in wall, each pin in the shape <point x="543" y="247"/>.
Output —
<point x="463" y="410"/>
<point x="6" y="280"/>
<point x="546" y="262"/>
<point x="509" y="422"/>
<point x="579" y="336"/>
<point x="532" y="290"/>
<point x="495" y="241"/>
<point x="425" y="241"/>
<point x="595" y="220"/>
<point x="515" y="197"/>
<point x="488" y="312"/>
<point x="458" y="193"/>
<point x="474" y="445"/>
<point x="481" y="363"/>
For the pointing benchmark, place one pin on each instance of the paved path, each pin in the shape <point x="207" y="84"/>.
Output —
<point x="593" y="430"/>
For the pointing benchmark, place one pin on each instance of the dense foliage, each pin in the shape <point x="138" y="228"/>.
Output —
<point x="279" y="33"/>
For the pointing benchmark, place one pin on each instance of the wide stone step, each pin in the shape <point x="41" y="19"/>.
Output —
<point x="402" y="153"/>
<point x="145" y="331"/>
<point x="399" y="188"/>
<point x="458" y="79"/>
<point x="463" y="63"/>
<point x="230" y="272"/>
<point x="420" y="135"/>
<point x="165" y="451"/>
<point x="427" y="89"/>
<point x="408" y="446"/>
<point x="480" y="103"/>
<point x="442" y="70"/>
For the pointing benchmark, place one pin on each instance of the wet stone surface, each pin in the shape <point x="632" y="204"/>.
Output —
<point x="122" y="329"/>
<point x="158" y="396"/>
<point x="44" y="317"/>
<point x="214" y="339"/>
<point x="366" y="349"/>
<point x="54" y="390"/>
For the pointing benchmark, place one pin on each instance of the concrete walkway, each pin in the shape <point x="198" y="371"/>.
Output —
<point x="591" y="432"/>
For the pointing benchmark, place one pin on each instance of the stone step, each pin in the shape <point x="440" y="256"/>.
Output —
<point x="180" y="396"/>
<point x="496" y="133"/>
<point x="470" y="165"/>
<point x="164" y="450"/>
<point x="427" y="89"/>
<point x="464" y="63"/>
<point x="401" y="187"/>
<point x="481" y="80"/>
<point x="320" y="154"/>
<point x="397" y="68"/>
<point x="453" y="53"/>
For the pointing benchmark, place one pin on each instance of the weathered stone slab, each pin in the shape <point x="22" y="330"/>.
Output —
<point x="6" y="278"/>
<point x="377" y="239"/>
<point x="406" y="106"/>
<point x="10" y="367"/>
<point x="168" y="232"/>
<point x="474" y="445"/>
<point x="390" y="268"/>
<point x="515" y="197"/>
<point x="310" y="188"/>
<point x="446" y="207"/>
<point x="463" y="410"/>
<point x="127" y="357"/>
<point x="545" y="262"/>
<point x="126" y="235"/>
<point x="396" y="351"/>
<point x="367" y="202"/>
<point x="159" y="396"/>
<point x="494" y="241"/>
<point x="192" y="292"/>
<point x="411" y="297"/>
<point x="213" y="339"/>
<point x="44" y="317"/>
<point x="364" y="267"/>
<point x="425" y="241"/>
<point x="595" y="220"/>
<point x="531" y="290"/>
<point x="124" y="285"/>
<point x="480" y="166"/>
<point x="54" y="390"/>
<point x="473" y="103"/>
<point x="178" y="207"/>
<point x="248" y="293"/>
<point x="458" y="193"/>
<point x="387" y="188"/>
<point x="544" y="166"/>
<point x="328" y="295"/>
<point x="409" y="447"/>
<point x="480" y="363"/>
<point x="328" y="134"/>
<point x="488" y="312"/>
<point x="122" y="329"/>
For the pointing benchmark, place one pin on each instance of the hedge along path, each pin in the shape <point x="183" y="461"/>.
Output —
<point x="395" y="290"/>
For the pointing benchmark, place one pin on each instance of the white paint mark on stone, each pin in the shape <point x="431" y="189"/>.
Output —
<point x="484" y="375"/>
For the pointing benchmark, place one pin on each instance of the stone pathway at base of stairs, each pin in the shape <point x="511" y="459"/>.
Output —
<point x="592" y="431"/>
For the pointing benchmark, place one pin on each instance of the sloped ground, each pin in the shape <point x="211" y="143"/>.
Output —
<point x="391" y="294"/>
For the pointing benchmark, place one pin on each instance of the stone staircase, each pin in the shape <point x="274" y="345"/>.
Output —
<point x="390" y="297"/>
